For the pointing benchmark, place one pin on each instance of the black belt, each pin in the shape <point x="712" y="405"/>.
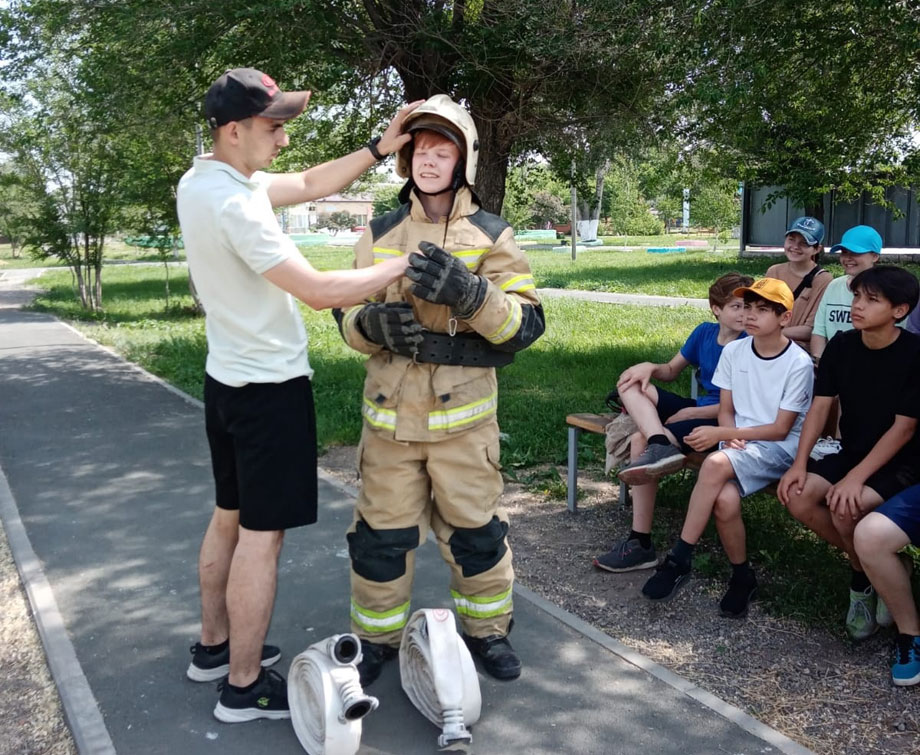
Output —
<point x="464" y="349"/>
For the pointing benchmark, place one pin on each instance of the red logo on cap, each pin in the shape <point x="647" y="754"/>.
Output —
<point x="441" y="614"/>
<point x="269" y="83"/>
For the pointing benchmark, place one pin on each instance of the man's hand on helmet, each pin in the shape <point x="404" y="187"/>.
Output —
<point x="441" y="278"/>
<point x="393" y="137"/>
<point x="392" y="326"/>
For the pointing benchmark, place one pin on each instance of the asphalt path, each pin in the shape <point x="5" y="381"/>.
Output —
<point x="105" y="491"/>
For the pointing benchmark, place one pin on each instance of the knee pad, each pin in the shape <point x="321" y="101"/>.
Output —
<point x="380" y="555"/>
<point x="478" y="549"/>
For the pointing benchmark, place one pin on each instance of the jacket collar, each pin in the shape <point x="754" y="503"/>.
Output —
<point x="463" y="206"/>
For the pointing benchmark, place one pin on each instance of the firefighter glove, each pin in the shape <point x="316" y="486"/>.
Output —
<point x="392" y="326"/>
<point x="441" y="278"/>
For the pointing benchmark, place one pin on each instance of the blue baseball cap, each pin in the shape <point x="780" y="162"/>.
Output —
<point x="812" y="229"/>
<point x="858" y="240"/>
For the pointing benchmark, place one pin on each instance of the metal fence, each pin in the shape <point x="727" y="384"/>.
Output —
<point x="899" y="230"/>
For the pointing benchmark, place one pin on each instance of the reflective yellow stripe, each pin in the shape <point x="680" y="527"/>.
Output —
<point x="463" y="415"/>
<point x="519" y="283"/>
<point x="510" y="326"/>
<point x="378" y="416"/>
<point x="482" y="607"/>
<point x="375" y="621"/>
<point x="470" y="257"/>
<point x="381" y="254"/>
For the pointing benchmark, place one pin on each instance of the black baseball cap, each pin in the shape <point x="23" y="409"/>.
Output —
<point x="244" y="92"/>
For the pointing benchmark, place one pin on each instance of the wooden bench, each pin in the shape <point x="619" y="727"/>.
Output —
<point x="597" y="424"/>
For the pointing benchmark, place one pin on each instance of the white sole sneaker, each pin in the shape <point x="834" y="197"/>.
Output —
<point x="241" y="715"/>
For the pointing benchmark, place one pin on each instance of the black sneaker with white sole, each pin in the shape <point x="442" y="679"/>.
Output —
<point x="209" y="667"/>
<point x="667" y="579"/>
<point x="266" y="699"/>
<point x="742" y="589"/>
<point x="655" y="461"/>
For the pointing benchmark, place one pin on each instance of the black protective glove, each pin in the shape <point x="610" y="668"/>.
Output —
<point x="441" y="278"/>
<point x="392" y="326"/>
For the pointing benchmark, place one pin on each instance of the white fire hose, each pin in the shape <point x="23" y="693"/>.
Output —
<point x="439" y="676"/>
<point x="326" y="698"/>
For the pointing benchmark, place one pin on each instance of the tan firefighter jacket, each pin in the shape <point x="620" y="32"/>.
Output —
<point x="411" y="401"/>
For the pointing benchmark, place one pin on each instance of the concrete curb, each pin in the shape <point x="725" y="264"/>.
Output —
<point x="80" y="707"/>
<point x="642" y="300"/>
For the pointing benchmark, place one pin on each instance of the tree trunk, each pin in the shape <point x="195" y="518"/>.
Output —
<point x="816" y="210"/>
<point x="97" y="269"/>
<point x="81" y="285"/>
<point x="15" y="249"/>
<point x="194" y="292"/>
<point x="494" y="153"/>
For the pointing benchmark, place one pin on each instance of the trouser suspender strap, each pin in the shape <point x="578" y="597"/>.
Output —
<point x="466" y="349"/>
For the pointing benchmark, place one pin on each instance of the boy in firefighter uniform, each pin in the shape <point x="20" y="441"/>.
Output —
<point x="429" y="452"/>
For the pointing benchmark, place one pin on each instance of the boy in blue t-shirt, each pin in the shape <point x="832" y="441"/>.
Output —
<point x="665" y="419"/>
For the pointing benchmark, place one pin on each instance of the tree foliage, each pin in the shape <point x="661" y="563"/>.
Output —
<point x="809" y="96"/>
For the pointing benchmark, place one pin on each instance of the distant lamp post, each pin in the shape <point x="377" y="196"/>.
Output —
<point x="686" y="223"/>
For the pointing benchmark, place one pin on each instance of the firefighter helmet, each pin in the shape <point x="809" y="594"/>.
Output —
<point x="444" y="116"/>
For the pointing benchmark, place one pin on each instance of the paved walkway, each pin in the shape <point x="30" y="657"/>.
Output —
<point x="105" y="491"/>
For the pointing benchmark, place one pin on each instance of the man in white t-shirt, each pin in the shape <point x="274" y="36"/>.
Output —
<point x="765" y="386"/>
<point x="259" y="410"/>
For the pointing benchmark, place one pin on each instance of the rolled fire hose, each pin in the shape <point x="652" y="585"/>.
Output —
<point x="439" y="676"/>
<point x="326" y="698"/>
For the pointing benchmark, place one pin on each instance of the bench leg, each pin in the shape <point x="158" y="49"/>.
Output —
<point x="573" y="469"/>
<point x="624" y="494"/>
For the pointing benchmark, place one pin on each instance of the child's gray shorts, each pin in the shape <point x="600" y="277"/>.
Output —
<point x="758" y="464"/>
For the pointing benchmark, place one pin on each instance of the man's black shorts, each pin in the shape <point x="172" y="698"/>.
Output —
<point x="263" y="451"/>
<point x="888" y="481"/>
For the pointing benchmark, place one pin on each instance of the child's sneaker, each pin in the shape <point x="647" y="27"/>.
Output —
<point x="655" y="461"/>
<point x="666" y="580"/>
<point x="267" y="699"/>
<point x="209" y="667"/>
<point x="742" y="589"/>
<point x="905" y="661"/>
<point x="861" y="621"/>
<point x="627" y="556"/>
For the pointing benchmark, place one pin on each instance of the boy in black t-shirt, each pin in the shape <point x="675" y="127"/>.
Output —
<point x="873" y="370"/>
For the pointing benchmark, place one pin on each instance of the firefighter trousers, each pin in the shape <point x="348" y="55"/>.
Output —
<point x="454" y="486"/>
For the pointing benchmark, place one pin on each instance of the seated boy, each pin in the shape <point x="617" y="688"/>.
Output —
<point x="872" y="370"/>
<point x="859" y="248"/>
<point x="665" y="419"/>
<point x="877" y="539"/>
<point x="766" y="388"/>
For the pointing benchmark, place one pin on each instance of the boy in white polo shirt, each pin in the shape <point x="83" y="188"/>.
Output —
<point x="766" y="384"/>
<point x="258" y="402"/>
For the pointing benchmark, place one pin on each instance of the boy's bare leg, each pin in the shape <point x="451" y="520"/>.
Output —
<point x="714" y="474"/>
<point x="878" y="540"/>
<point x="643" y="496"/>
<point x="642" y="406"/>
<point x="213" y="571"/>
<point x="250" y="598"/>
<point x="810" y="508"/>
<point x="729" y="524"/>
<point x="845" y="525"/>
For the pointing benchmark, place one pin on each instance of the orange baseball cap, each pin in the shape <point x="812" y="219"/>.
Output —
<point x="770" y="289"/>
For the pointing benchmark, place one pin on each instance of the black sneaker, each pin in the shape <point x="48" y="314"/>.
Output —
<point x="741" y="591"/>
<point x="209" y="667"/>
<point x="669" y="576"/>
<point x="627" y="556"/>
<point x="496" y="655"/>
<point x="654" y="462"/>
<point x="373" y="656"/>
<point x="267" y="699"/>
